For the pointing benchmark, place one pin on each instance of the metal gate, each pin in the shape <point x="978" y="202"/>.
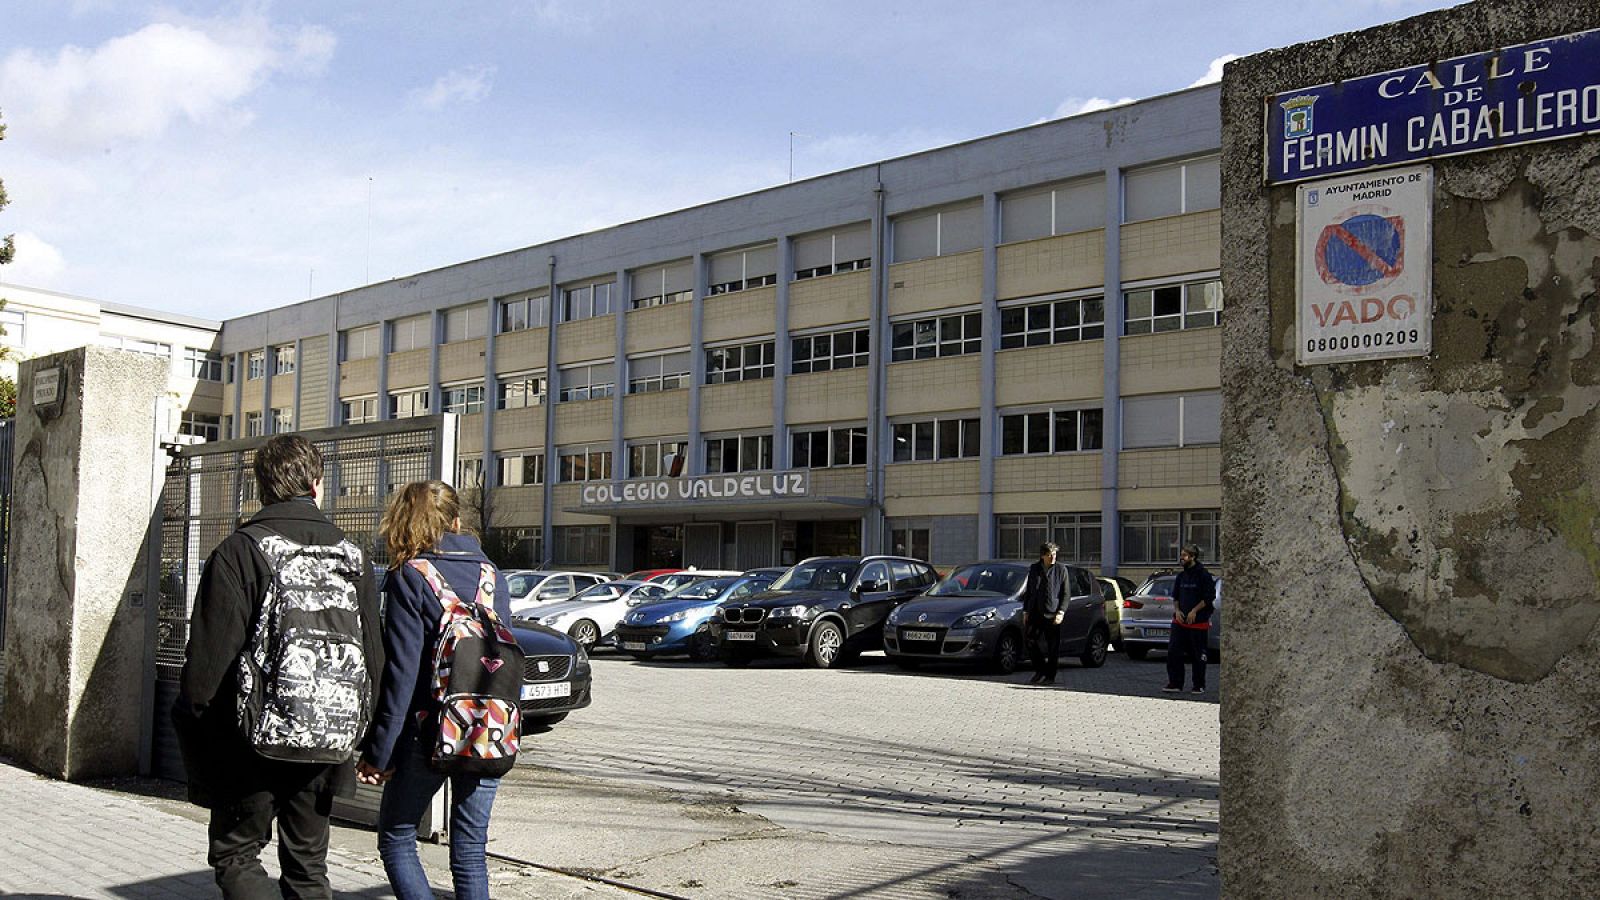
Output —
<point x="210" y="489"/>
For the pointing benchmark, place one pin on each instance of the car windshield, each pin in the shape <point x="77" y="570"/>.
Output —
<point x="678" y="580"/>
<point x="600" y="593"/>
<point x="1156" y="587"/>
<point x="523" y="582"/>
<point x="704" y="589"/>
<point x="998" y="581"/>
<point x="822" y="575"/>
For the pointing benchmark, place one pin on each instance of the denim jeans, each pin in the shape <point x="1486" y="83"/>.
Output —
<point x="405" y="798"/>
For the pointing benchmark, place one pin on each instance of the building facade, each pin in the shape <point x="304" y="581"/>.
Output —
<point x="39" y="322"/>
<point x="955" y="354"/>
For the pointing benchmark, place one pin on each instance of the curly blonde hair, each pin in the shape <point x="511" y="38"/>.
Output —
<point x="419" y="515"/>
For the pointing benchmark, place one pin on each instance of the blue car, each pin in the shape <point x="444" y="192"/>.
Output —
<point x="677" y="623"/>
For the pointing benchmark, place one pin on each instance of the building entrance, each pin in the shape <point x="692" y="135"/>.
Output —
<point x="828" y="538"/>
<point x="658" y="547"/>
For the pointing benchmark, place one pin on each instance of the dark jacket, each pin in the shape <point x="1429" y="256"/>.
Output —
<point x="410" y="633"/>
<point x="1046" y="593"/>
<point x="220" y="762"/>
<point x="1194" y="587"/>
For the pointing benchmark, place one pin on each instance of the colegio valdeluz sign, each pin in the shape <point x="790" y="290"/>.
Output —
<point x="759" y="486"/>
<point x="1516" y="95"/>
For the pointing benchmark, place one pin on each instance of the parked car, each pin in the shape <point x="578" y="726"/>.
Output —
<point x="674" y="580"/>
<point x="592" y="615"/>
<point x="555" y="675"/>
<point x="975" y="615"/>
<point x="646" y="574"/>
<point x="680" y="621"/>
<point x="1115" y="589"/>
<point x="533" y="587"/>
<point x="827" y="610"/>
<point x="1147" y="619"/>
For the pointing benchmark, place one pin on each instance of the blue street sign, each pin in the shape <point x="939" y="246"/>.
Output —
<point x="1540" y="91"/>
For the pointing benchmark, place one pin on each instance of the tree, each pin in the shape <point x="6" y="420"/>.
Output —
<point x="8" y="250"/>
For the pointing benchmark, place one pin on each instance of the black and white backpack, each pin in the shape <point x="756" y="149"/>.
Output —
<point x="304" y="694"/>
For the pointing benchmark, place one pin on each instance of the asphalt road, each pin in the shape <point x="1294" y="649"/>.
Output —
<point x="780" y="781"/>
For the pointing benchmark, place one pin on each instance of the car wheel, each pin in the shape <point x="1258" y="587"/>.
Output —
<point x="702" y="647"/>
<point x="1007" y="653"/>
<point x="1214" y="656"/>
<point x="585" y="632"/>
<point x="826" y="648"/>
<point x="1094" y="652"/>
<point x="1135" y="652"/>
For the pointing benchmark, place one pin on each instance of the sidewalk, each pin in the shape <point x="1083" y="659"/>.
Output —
<point x="62" y="840"/>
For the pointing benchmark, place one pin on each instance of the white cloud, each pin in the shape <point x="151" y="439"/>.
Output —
<point x="1214" y="71"/>
<point x="1073" y="106"/>
<point x="468" y="85"/>
<point x="133" y="87"/>
<point x="37" y="262"/>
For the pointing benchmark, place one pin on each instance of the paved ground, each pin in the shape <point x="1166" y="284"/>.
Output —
<point x="774" y="781"/>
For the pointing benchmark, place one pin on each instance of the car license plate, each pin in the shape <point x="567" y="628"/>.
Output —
<point x="633" y="645"/>
<point x="741" y="635"/>
<point x="919" y="635"/>
<point x="1157" y="632"/>
<point x="546" y="691"/>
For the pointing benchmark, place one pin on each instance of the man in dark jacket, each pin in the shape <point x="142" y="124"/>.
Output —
<point x="1044" y="605"/>
<point x="245" y="790"/>
<point x="1192" y="593"/>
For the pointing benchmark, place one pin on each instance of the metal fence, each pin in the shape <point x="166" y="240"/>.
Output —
<point x="210" y="490"/>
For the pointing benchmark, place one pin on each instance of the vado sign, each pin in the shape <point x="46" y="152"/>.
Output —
<point x="1364" y="266"/>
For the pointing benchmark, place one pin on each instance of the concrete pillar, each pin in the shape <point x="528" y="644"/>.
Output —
<point x="1111" y="398"/>
<point x="80" y="617"/>
<point x="988" y="420"/>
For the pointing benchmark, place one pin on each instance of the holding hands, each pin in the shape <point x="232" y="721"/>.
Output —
<point x="366" y="773"/>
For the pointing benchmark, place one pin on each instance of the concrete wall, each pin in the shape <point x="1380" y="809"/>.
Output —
<point x="78" y="615"/>
<point x="1412" y="669"/>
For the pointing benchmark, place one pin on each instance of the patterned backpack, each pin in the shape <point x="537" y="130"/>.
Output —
<point x="477" y="682"/>
<point x="303" y="689"/>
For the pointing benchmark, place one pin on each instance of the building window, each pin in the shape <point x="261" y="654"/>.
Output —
<point x="521" y="313"/>
<point x="829" y="447"/>
<point x="13" y="327"/>
<point x="654" y="459"/>
<point x="519" y="391"/>
<point x="408" y="403"/>
<point x="662" y="372"/>
<point x="136" y="345"/>
<point x="583" y="545"/>
<point x="282" y="419"/>
<point x="203" y="364"/>
<point x="283" y="359"/>
<point x="521" y="467"/>
<point x="739" y="453"/>
<point x="1153" y="537"/>
<point x="462" y="399"/>
<point x="465" y="323"/>
<point x="936" y="439"/>
<point x="201" y="426"/>
<point x="824" y="352"/>
<point x="1060" y="209"/>
<point x="229" y="371"/>
<point x="520" y="546"/>
<point x="585" y="464"/>
<point x="916" y="543"/>
<point x="1077" y="534"/>
<point x="1171" y="189"/>
<point x="255" y="365"/>
<point x="660" y="285"/>
<point x="940" y="233"/>
<point x="1051" y="431"/>
<point x="1052" y="322"/>
<point x="743" y="362"/>
<point x="1172" y="420"/>
<point x="469" y="473"/>
<point x="589" y="382"/>
<point x="1172" y="307"/>
<point x="356" y="410"/>
<point x="587" y="301"/>
<point x="358" y="343"/>
<point x="254" y="425"/>
<point x="831" y="252"/>
<point x="939" y="336"/>
<point x="411" y="333"/>
<point x="740" y="270"/>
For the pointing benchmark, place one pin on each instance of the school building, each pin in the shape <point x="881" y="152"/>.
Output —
<point x="955" y="354"/>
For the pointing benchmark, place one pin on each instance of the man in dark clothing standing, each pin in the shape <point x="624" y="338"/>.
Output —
<point x="1044" y="605"/>
<point x="245" y="790"/>
<point x="1192" y="593"/>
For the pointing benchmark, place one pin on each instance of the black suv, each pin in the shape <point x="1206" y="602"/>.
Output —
<point x="827" y="609"/>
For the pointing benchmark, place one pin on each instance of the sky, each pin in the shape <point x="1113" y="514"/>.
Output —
<point x="215" y="159"/>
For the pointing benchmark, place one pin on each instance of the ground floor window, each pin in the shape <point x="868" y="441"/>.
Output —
<point x="1153" y="537"/>
<point x="1077" y="534"/>
<point x="583" y="545"/>
<point x="515" y="548"/>
<point x="916" y="543"/>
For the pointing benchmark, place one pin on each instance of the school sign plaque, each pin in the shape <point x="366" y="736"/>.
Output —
<point x="1540" y="91"/>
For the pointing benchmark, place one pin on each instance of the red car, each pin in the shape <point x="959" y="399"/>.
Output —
<point x="648" y="574"/>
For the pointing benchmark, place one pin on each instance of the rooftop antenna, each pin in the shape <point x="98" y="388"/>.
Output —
<point x="311" y="278"/>
<point x="369" y="230"/>
<point x="792" y="136"/>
